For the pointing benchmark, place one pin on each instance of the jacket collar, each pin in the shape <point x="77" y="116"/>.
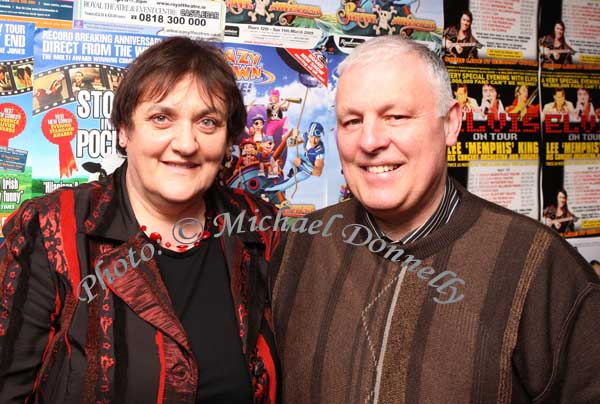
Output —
<point x="112" y="216"/>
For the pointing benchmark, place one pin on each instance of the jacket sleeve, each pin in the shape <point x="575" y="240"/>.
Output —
<point x="28" y="293"/>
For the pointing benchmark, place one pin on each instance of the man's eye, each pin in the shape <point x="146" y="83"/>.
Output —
<point x="352" y="122"/>
<point x="395" y="118"/>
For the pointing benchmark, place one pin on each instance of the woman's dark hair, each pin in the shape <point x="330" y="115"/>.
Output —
<point x="561" y="23"/>
<point x="468" y="14"/>
<point x="153" y="74"/>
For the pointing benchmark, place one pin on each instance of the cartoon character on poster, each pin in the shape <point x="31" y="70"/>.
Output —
<point x="390" y="17"/>
<point x="280" y="149"/>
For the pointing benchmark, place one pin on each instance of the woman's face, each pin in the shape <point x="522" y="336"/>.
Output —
<point x="465" y="22"/>
<point x="559" y="31"/>
<point x="561" y="199"/>
<point x="176" y="145"/>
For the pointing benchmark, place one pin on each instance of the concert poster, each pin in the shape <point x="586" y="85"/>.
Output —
<point x="570" y="89"/>
<point x="500" y="30"/>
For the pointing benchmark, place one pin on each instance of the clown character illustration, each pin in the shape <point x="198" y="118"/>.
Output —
<point x="248" y="155"/>
<point x="309" y="163"/>
<point x="266" y="158"/>
<point x="276" y="107"/>
<point x="256" y="130"/>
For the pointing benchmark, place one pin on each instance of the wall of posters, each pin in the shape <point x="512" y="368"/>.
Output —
<point x="525" y="72"/>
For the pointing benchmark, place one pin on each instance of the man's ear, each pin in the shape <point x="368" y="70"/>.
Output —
<point x="452" y="123"/>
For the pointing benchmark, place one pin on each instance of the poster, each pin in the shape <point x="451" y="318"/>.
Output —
<point x="284" y="90"/>
<point x="16" y="141"/>
<point x="571" y="168"/>
<point x="286" y="24"/>
<point x="589" y="248"/>
<point x="570" y="88"/>
<point x="498" y="30"/>
<point x="44" y="13"/>
<point x="497" y="153"/>
<point x="76" y="75"/>
<point x="199" y="19"/>
<point x="357" y="21"/>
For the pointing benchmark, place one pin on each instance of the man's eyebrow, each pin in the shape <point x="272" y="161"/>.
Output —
<point x="171" y="110"/>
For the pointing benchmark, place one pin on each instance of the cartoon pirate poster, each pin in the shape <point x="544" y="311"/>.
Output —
<point x="282" y="154"/>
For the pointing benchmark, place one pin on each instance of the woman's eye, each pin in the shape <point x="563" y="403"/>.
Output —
<point x="159" y="118"/>
<point x="208" y="122"/>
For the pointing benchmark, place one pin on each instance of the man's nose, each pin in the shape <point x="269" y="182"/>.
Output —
<point x="374" y="136"/>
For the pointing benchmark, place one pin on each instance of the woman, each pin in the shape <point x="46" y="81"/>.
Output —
<point x="84" y="319"/>
<point x="558" y="216"/>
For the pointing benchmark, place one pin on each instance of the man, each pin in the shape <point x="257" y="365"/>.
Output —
<point x="466" y="103"/>
<point x="460" y="41"/>
<point x="584" y="109"/>
<point x="490" y="104"/>
<point x="560" y="105"/>
<point x="418" y="291"/>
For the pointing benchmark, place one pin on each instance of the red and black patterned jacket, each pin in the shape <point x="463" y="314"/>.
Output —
<point x="127" y="345"/>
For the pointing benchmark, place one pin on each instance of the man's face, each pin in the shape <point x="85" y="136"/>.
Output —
<point x="465" y="22"/>
<point x="461" y="95"/>
<point x="559" y="99"/>
<point x="391" y="139"/>
<point x="559" y="31"/>
<point x="489" y="92"/>
<point x="78" y="77"/>
<point x="583" y="97"/>
<point x="176" y="145"/>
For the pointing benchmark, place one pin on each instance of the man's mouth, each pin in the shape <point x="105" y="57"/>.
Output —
<point x="381" y="169"/>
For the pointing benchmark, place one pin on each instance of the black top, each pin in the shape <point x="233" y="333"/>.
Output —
<point x="198" y="283"/>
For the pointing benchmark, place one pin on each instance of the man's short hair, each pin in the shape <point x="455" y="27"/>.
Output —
<point x="394" y="48"/>
<point x="153" y="74"/>
<point x="559" y="90"/>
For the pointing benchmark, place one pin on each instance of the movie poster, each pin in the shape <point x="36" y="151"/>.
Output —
<point x="570" y="87"/>
<point x="44" y="13"/>
<point x="76" y="75"/>
<point x="198" y="19"/>
<point x="16" y="140"/>
<point x="281" y="156"/>
<point x="357" y="21"/>
<point x="286" y="24"/>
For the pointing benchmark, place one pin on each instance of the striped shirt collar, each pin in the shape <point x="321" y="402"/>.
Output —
<point x="440" y="217"/>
